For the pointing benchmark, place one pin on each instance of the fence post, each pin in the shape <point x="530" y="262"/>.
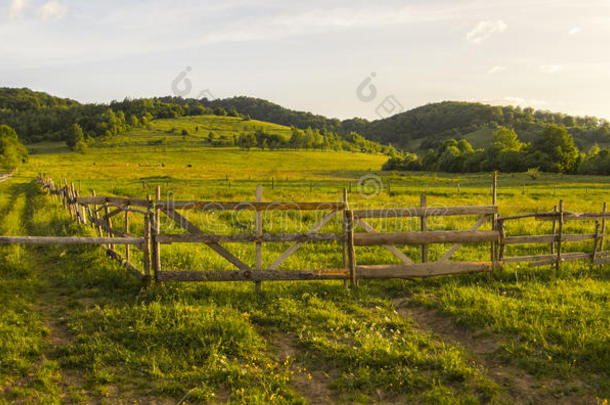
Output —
<point x="423" y="222"/>
<point x="75" y="206"/>
<point x="63" y="193"/>
<point x="494" y="218"/>
<point x="96" y="217"/>
<point x="146" y="246"/>
<point x="127" y="249"/>
<point x="603" y="229"/>
<point x="68" y="200"/>
<point x="344" y="231"/>
<point x="500" y="225"/>
<point x="554" y="228"/>
<point x="80" y="209"/>
<point x="156" y="229"/>
<point x="108" y="223"/>
<point x="350" y="248"/>
<point x="595" y="243"/>
<point x="259" y="232"/>
<point x="560" y="232"/>
<point x="73" y="202"/>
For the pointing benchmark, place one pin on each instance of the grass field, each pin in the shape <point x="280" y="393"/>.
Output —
<point x="76" y="328"/>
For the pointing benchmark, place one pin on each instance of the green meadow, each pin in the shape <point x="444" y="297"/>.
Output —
<point x="76" y="328"/>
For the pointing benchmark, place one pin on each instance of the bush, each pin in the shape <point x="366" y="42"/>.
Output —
<point x="12" y="152"/>
<point x="534" y="173"/>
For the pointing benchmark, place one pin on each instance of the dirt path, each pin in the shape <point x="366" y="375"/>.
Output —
<point x="315" y="389"/>
<point x="52" y="304"/>
<point x="521" y="387"/>
<point x="49" y="302"/>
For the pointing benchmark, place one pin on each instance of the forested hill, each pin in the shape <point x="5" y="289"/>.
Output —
<point x="264" y="110"/>
<point x="38" y="116"/>
<point x="426" y="127"/>
<point x="28" y="100"/>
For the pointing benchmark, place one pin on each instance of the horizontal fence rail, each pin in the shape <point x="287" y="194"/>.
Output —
<point x="146" y="237"/>
<point x="69" y="240"/>
<point x="425" y="212"/>
<point x="424" y="238"/>
<point x="6" y="176"/>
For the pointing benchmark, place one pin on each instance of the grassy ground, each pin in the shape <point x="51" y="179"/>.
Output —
<point x="78" y="329"/>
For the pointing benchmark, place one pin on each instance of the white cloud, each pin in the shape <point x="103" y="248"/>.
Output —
<point x="496" y="69"/>
<point x="575" y="30"/>
<point x="551" y="68"/>
<point x="52" y="9"/>
<point x="16" y="8"/>
<point x="485" y="30"/>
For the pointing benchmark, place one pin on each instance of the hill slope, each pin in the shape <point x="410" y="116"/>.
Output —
<point x="39" y="117"/>
<point x="428" y="126"/>
<point x="28" y="100"/>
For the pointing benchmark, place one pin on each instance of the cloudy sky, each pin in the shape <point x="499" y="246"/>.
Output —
<point x="337" y="58"/>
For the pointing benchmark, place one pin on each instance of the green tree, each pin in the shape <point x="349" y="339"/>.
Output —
<point x="557" y="146"/>
<point x="75" y="136"/>
<point x="12" y="152"/>
<point x="246" y="141"/>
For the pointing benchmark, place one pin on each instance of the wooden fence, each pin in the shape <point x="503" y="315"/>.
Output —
<point x="99" y="212"/>
<point x="6" y="176"/>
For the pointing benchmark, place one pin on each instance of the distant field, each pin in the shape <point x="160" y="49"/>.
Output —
<point x="83" y="331"/>
<point x="200" y="131"/>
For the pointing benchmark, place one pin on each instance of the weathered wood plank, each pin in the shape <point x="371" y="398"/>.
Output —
<point x="245" y="238"/>
<point x="252" y="275"/>
<point x="186" y="224"/>
<point x="533" y="239"/>
<point x="423" y="226"/>
<point x="98" y="200"/>
<point x="420" y="269"/>
<point x="457" y="246"/>
<point x="351" y="252"/>
<point x="565" y="257"/>
<point x="425" y="211"/>
<point x="68" y="240"/>
<point x="418" y="238"/>
<point x="361" y="272"/>
<point x="392" y="249"/>
<point x="102" y="224"/>
<point x="155" y="230"/>
<point x="112" y="213"/>
<point x="125" y="263"/>
<point x="258" y="259"/>
<point x="252" y="206"/>
<point x="534" y="258"/>
<point x="292" y="249"/>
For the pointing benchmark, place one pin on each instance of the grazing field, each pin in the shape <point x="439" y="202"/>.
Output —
<point x="77" y="328"/>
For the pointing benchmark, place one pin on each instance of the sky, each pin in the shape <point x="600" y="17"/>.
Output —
<point x="337" y="58"/>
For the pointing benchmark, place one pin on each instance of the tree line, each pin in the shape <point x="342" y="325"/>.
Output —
<point x="552" y="151"/>
<point x="40" y="117"/>
<point x="311" y="139"/>
<point x="432" y="124"/>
